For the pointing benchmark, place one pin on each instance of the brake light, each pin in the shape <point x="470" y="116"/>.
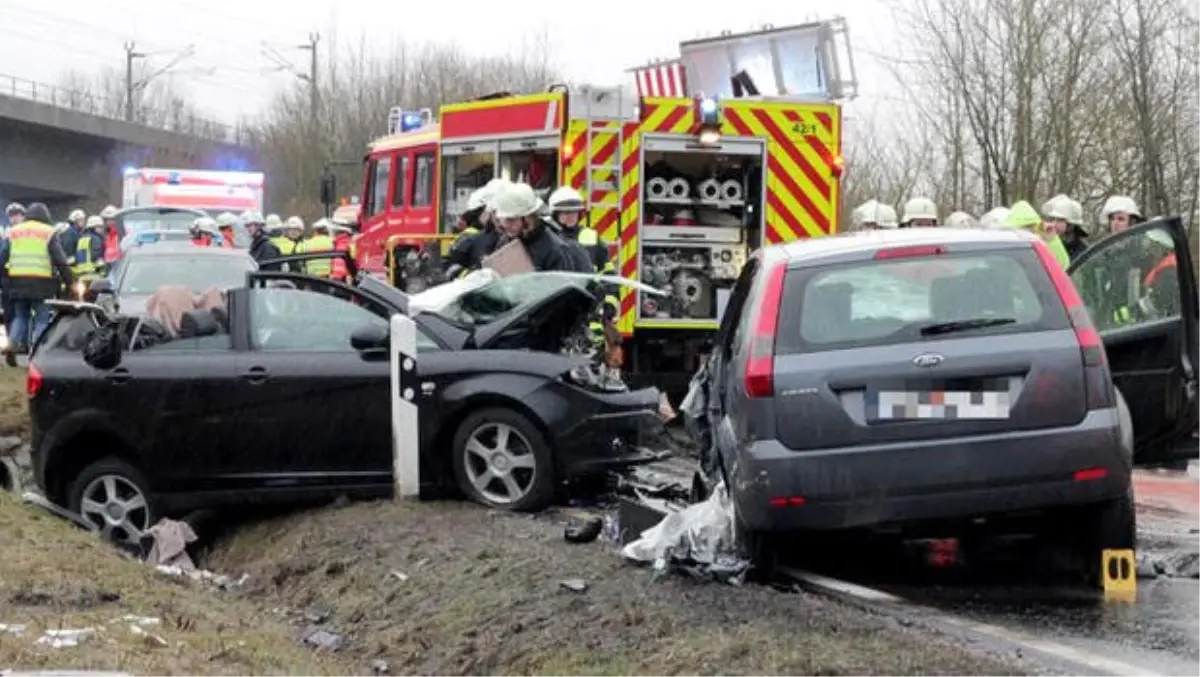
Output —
<point x="909" y="252"/>
<point x="760" y="365"/>
<point x="33" y="381"/>
<point x="1090" y="344"/>
<point x="1090" y="474"/>
<point x="787" y="502"/>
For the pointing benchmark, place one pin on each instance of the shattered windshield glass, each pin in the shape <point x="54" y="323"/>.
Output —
<point x="485" y="304"/>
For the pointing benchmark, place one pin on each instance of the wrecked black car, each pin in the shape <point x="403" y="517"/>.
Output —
<point x="280" y="392"/>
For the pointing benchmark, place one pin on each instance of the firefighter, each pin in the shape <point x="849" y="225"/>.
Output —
<point x="864" y="216"/>
<point x="225" y="225"/>
<point x="1075" y="239"/>
<point x="1120" y="213"/>
<point x="88" y="256"/>
<point x="566" y="208"/>
<point x="459" y="261"/>
<point x="919" y="212"/>
<point x="885" y="217"/>
<point x="37" y="268"/>
<point x="262" y="248"/>
<point x="516" y="206"/>
<point x="994" y="218"/>
<point x="204" y="231"/>
<point x="15" y="212"/>
<point x="490" y="237"/>
<point x="274" y="229"/>
<point x="342" y="243"/>
<point x="961" y="220"/>
<point x="293" y="231"/>
<point x="112" y="237"/>
<point x="319" y="242"/>
<point x="69" y="238"/>
<point x="1022" y="215"/>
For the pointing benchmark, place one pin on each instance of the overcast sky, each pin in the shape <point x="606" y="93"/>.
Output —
<point x="229" y="73"/>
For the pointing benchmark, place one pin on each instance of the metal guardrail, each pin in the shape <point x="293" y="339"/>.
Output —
<point x="178" y="121"/>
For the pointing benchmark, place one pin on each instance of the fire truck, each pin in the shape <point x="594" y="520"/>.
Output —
<point x="684" y="175"/>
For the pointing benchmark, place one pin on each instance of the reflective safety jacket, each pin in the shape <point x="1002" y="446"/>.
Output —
<point x="286" y="245"/>
<point x="314" y="244"/>
<point x="29" y="250"/>
<point x="341" y="243"/>
<point x="88" y="257"/>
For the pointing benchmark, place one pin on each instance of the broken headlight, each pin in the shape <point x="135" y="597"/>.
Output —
<point x="597" y="377"/>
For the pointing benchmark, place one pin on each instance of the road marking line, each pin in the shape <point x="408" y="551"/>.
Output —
<point x="1055" y="649"/>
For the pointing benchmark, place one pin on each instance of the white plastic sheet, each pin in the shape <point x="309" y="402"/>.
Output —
<point x="700" y="539"/>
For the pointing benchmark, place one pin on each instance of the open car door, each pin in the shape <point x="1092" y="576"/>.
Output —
<point x="1140" y="289"/>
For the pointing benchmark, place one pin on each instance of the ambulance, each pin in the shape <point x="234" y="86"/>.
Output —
<point x="734" y="144"/>
<point x="209" y="191"/>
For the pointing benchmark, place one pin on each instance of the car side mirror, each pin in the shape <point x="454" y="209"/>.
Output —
<point x="370" y="337"/>
<point x="99" y="288"/>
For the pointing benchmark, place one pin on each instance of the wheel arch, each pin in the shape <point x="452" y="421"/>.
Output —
<point x="449" y="425"/>
<point x="76" y="443"/>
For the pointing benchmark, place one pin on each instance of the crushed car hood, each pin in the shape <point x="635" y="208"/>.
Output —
<point x="535" y="311"/>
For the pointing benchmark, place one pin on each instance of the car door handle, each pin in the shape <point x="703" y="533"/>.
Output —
<point x="255" y="375"/>
<point x="118" y="376"/>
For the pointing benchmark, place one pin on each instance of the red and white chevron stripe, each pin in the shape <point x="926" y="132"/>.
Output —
<point x="666" y="78"/>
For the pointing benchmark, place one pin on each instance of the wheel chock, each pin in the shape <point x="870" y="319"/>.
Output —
<point x="1119" y="575"/>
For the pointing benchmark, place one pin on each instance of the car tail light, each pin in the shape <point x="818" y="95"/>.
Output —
<point x="760" y="365"/>
<point x="1090" y="474"/>
<point x="787" y="501"/>
<point x="33" y="381"/>
<point x="1091" y="347"/>
<point x="909" y="252"/>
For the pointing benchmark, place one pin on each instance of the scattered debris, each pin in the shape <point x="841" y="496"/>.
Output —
<point x="34" y="498"/>
<point x="14" y="629"/>
<point x="1172" y="565"/>
<point x="148" y="638"/>
<point x="139" y="620"/>
<point x="171" y="539"/>
<point x="58" y="639"/>
<point x="400" y="575"/>
<point x="698" y="540"/>
<point x="8" y="443"/>
<point x="219" y="581"/>
<point x="583" y="532"/>
<point x="574" y="585"/>
<point x="380" y="667"/>
<point x="316" y="615"/>
<point x="325" y="640"/>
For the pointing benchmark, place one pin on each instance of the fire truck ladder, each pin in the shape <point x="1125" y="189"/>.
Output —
<point x="612" y="197"/>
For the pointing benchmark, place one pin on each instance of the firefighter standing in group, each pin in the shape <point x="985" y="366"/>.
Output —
<point x="469" y="226"/>
<point x="566" y="208"/>
<point x="262" y="248"/>
<point x="319" y="242"/>
<point x="342" y="242"/>
<point x="1120" y="213"/>
<point x="112" y="238"/>
<point x="88" y="257"/>
<point x="16" y="214"/>
<point x="69" y="238"/>
<point x="275" y="230"/>
<point x="37" y="269"/>
<point x="919" y="212"/>
<point x="517" y="206"/>
<point x="480" y="246"/>
<point x="204" y="231"/>
<point x="225" y="225"/>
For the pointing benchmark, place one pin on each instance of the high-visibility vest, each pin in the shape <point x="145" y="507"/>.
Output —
<point x="587" y="237"/>
<point x="84" y="266"/>
<point x="285" y="245"/>
<point x="29" y="250"/>
<point x="202" y="240"/>
<point x="341" y="243"/>
<point x="1166" y="263"/>
<point x="314" y="244"/>
<point x="227" y="237"/>
<point x="112" y="245"/>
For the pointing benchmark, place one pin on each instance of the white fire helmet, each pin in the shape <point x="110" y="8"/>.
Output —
<point x="1120" y="204"/>
<point x="515" y="200"/>
<point x="76" y="215"/>
<point x="95" y="221"/>
<point x="273" y="221"/>
<point x="885" y="216"/>
<point x="919" y="208"/>
<point x="565" y="199"/>
<point x="863" y="214"/>
<point x="960" y="220"/>
<point x="109" y="212"/>
<point x="226" y="219"/>
<point x="994" y="219"/>
<point x="294" y="223"/>
<point x="250" y="216"/>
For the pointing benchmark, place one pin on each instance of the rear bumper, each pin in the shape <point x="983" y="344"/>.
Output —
<point x="946" y="480"/>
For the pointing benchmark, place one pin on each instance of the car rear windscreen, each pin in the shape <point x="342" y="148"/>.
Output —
<point x="880" y="302"/>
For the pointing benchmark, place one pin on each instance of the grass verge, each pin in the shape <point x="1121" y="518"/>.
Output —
<point x="14" y="406"/>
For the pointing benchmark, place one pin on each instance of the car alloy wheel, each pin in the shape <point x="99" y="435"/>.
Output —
<point x="500" y="463"/>
<point x="117" y="507"/>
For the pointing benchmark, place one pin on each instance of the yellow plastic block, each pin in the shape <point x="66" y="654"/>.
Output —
<point x="1119" y="573"/>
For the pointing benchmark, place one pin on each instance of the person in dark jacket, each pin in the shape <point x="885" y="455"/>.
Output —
<point x="37" y="270"/>
<point x="517" y="208"/>
<point x="261" y="246"/>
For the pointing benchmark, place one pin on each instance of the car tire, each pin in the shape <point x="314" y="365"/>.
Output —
<point x="527" y="461"/>
<point x="119" y="488"/>
<point x="1110" y="525"/>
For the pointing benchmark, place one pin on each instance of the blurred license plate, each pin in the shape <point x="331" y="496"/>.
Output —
<point x="908" y="405"/>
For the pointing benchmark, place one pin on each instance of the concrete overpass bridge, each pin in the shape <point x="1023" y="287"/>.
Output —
<point x="68" y="148"/>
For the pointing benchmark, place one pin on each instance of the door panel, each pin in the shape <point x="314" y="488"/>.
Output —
<point x="1140" y="290"/>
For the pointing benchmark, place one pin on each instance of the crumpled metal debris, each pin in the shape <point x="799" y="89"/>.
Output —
<point x="699" y="540"/>
<point x="171" y="539"/>
<point x="325" y="640"/>
<point x="583" y="532"/>
<point x="59" y="639"/>
<point x="219" y="581"/>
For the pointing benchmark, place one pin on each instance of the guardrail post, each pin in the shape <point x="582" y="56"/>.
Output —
<point x="406" y="438"/>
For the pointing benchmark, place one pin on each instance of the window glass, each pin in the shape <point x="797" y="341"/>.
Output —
<point x="143" y="275"/>
<point x="379" y="184"/>
<point x="398" y="182"/>
<point x="422" y="195"/>
<point x="1131" y="281"/>
<point x="485" y="304"/>
<point x="297" y="320"/>
<point x="904" y="300"/>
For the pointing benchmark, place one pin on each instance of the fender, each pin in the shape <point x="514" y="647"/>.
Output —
<point x="87" y="421"/>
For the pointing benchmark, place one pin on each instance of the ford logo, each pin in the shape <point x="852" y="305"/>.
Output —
<point x="928" y="360"/>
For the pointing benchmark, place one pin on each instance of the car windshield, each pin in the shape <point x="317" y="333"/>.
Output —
<point x="495" y="299"/>
<point x="145" y="274"/>
<point x="138" y="222"/>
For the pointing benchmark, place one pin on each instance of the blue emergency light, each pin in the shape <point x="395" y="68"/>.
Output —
<point x="174" y="178"/>
<point x="411" y="119"/>
<point x="147" y="237"/>
<point x="710" y="113"/>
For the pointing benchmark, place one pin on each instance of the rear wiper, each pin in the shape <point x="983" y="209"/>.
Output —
<point x="964" y="325"/>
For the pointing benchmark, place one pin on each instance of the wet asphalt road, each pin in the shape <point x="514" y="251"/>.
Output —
<point x="1158" y="633"/>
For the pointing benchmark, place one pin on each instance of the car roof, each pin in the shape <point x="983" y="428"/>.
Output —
<point x="169" y="248"/>
<point x="872" y="240"/>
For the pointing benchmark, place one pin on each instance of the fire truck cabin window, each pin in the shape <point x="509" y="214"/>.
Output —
<point x="702" y="189"/>
<point x="381" y="176"/>
<point x="538" y="168"/>
<point x="461" y="176"/>
<point x="399" y="183"/>
<point x="422" y="190"/>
